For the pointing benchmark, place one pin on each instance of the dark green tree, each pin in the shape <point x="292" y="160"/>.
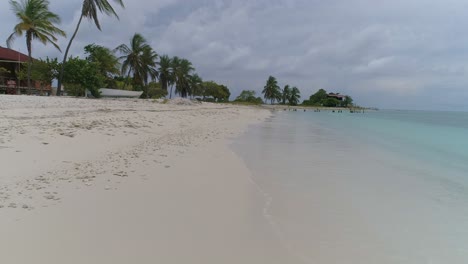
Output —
<point x="272" y="91"/>
<point x="80" y="75"/>
<point x="182" y="72"/>
<point x="165" y="72"/>
<point x="139" y="60"/>
<point x="331" y="102"/>
<point x="348" y="101"/>
<point x="106" y="61"/>
<point x="294" y="96"/>
<point x="286" y="94"/>
<point x="248" y="96"/>
<point x="318" y="97"/>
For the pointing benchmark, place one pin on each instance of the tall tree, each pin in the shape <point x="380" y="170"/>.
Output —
<point x="286" y="94"/>
<point x="89" y="10"/>
<point x="175" y="68"/>
<point x="106" y="61"/>
<point x="138" y="59"/>
<point x="165" y="72"/>
<point x="183" y="73"/>
<point x="272" y="91"/>
<point x="294" y="96"/>
<point x="37" y="22"/>
<point x="196" y="85"/>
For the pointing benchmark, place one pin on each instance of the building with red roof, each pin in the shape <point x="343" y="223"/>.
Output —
<point x="11" y="62"/>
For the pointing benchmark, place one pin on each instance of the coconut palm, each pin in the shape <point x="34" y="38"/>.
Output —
<point x="89" y="10"/>
<point x="286" y="94"/>
<point x="196" y="85"/>
<point x="138" y="58"/>
<point x="182" y="70"/>
<point x="165" y="71"/>
<point x="37" y="22"/>
<point x="174" y="67"/>
<point x="272" y="91"/>
<point x="294" y="96"/>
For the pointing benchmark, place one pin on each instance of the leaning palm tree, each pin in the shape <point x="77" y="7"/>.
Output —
<point x="89" y="10"/>
<point x="138" y="58"/>
<point x="272" y="91"/>
<point x="294" y="96"/>
<point x="165" y="71"/>
<point x="36" y="21"/>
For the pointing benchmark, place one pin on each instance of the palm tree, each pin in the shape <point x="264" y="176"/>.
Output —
<point x="272" y="91"/>
<point x="36" y="21"/>
<point x="294" y="96"/>
<point x="286" y="94"/>
<point x="174" y="67"/>
<point x="139" y="59"/>
<point x="165" y="71"/>
<point x="196" y="85"/>
<point x="182" y="70"/>
<point x="89" y="10"/>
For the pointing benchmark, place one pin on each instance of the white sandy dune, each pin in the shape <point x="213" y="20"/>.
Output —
<point x="128" y="181"/>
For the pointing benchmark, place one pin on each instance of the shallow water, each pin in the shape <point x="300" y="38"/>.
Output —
<point x="379" y="187"/>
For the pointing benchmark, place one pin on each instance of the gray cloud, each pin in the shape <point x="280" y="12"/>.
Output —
<point x="390" y="54"/>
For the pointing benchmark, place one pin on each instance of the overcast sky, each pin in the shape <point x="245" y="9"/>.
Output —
<point x="406" y="54"/>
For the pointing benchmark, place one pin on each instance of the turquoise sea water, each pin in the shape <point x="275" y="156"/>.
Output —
<point x="379" y="187"/>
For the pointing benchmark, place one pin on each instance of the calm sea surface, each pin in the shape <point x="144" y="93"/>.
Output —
<point x="379" y="187"/>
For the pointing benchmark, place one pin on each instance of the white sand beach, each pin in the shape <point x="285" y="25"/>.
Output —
<point x="128" y="181"/>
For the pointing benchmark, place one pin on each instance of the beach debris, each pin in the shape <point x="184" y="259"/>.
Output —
<point x="12" y="205"/>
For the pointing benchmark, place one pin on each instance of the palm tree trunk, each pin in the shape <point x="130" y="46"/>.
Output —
<point x="59" y="82"/>
<point x="28" y="44"/>
<point x="170" y="95"/>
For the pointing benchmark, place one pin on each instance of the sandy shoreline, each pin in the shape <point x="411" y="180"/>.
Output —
<point x="128" y="181"/>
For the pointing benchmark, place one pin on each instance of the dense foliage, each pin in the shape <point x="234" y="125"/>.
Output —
<point x="248" y="96"/>
<point x="89" y="10"/>
<point x="272" y="91"/>
<point x="81" y="74"/>
<point x="322" y="98"/>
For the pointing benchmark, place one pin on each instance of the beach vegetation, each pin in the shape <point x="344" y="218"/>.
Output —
<point x="323" y="98"/>
<point x="82" y="74"/>
<point x="294" y="96"/>
<point x="286" y="94"/>
<point x="43" y="72"/>
<point x="214" y="92"/>
<point x="106" y="61"/>
<point x="182" y="70"/>
<point x="165" y="74"/>
<point x="36" y="22"/>
<point x="248" y="96"/>
<point x="272" y="91"/>
<point x="89" y="10"/>
<point x="155" y="90"/>
<point x="138" y="60"/>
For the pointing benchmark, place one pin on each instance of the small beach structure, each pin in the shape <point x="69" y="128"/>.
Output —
<point x="11" y="62"/>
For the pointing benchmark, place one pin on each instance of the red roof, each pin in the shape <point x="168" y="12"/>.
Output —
<point x="13" y="55"/>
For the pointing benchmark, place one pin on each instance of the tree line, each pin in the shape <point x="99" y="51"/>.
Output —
<point x="131" y="66"/>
